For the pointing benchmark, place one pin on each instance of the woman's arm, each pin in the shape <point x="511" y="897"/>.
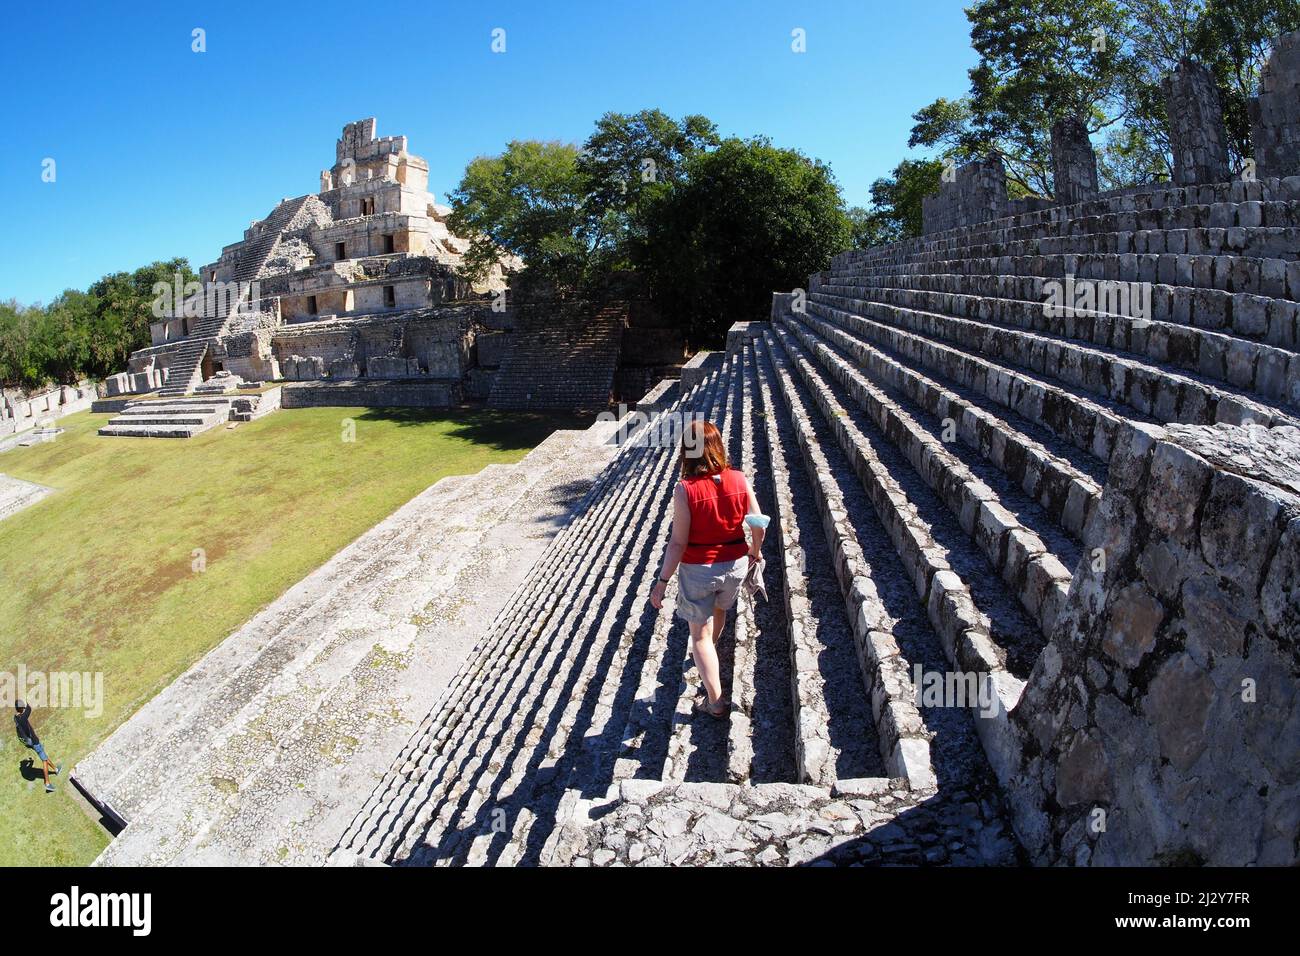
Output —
<point x="757" y="532"/>
<point x="676" y="544"/>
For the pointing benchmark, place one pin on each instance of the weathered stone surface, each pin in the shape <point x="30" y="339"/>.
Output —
<point x="1196" y="130"/>
<point x="977" y="193"/>
<point x="1134" y="618"/>
<point x="1074" y="164"/>
<point x="1275" y="113"/>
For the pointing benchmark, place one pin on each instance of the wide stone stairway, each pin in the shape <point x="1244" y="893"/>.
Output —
<point x="581" y="693"/>
<point x="934" y="448"/>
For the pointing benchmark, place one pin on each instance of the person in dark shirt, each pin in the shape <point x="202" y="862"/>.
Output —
<point x="27" y="734"/>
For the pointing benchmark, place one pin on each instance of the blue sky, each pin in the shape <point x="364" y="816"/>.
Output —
<point x="161" y="151"/>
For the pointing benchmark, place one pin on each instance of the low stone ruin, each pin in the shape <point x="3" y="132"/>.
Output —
<point x="1275" y="112"/>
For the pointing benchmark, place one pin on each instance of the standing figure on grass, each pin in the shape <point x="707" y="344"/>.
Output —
<point x="712" y="504"/>
<point x="27" y="734"/>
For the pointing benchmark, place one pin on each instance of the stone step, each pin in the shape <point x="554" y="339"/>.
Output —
<point x="1022" y="542"/>
<point x="16" y="494"/>
<point x="160" y="409"/>
<point x="1253" y="369"/>
<point x="835" y="732"/>
<point x="1087" y="423"/>
<point x="761" y="730"/>
<point x="1064" y="481"/>
<point x="1102" y="238"/>
<point x="154" y="431"/>
<point x="963" y="593"/>
<point x="1104" y="257"/>
<point x="1223" y="200"/>
<point x="1149" y="387"/>
<point x="869" y="822"/>
<point x="984" y="631"/>
<point x="176" y="419"/>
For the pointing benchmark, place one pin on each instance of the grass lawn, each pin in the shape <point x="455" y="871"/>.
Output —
<point x="98" y="577"/>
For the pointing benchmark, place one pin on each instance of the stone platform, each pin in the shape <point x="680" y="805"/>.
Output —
<point x="16" y="494"/>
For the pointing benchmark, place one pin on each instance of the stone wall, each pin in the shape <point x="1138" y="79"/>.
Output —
<point x="19" y="412"/>
<point x="1159" y="724"/>
<point x="431" y="342"/>
<point x="978" y="194"/>
<point x="1275" y="112"/>
<point x="374" y="394"/>
<point x="1196" y="133"/>
<point x="1074" y="164"/>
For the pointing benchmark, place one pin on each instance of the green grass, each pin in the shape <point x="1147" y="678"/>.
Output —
<point x="98" y="576"/>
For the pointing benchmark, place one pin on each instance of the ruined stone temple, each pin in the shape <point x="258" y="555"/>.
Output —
<point x="1033" y="579"/>
<point x="357" y="291"/>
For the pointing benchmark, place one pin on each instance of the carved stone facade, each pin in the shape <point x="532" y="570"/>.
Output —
<point x="300" y="295"/>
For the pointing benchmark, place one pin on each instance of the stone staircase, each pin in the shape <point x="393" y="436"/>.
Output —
<point x="255" y="254"/>
<point x="264" y="750"/>
<point x="933" y="448"/>
<point x="943" y="460"/>
<point x="580" y="690"/>
<point x="564" y="357"/>
<point x="185" y="368"/>
<point x="170" y="417"/>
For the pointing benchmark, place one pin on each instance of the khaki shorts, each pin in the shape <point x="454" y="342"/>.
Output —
<point x="703" y="587"/>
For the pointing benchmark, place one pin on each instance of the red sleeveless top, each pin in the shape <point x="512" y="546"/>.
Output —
<point x="718" y="510"/>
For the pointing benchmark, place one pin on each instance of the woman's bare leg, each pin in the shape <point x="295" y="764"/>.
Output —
<point x="705" y="656"/>
<point x="719" y="623"/>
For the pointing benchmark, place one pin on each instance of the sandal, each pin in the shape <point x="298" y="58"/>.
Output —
<point x="704" y="707"/>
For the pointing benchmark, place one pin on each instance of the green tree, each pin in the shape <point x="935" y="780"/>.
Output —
<point x="867" y="228"/>
<point x="896" y="198"/>
<point x="1040" y="60"/>
<point x="626" y="158"/>
<point x="529" y="201"/>
<point x="18" y="368"/>
<point x="746" y="219"/>
<point x="82" y="334"/>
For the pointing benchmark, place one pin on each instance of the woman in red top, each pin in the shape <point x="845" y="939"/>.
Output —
<point x="712" y="504"/>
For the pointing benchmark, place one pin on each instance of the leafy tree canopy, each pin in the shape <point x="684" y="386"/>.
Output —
<point x="82" y="334"/>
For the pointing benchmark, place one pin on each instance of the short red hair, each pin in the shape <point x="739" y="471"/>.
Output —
<point x="702" y="450"/>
